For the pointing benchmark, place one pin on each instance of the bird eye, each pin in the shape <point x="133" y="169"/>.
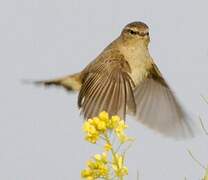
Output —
<point x="132" y="32"/>
<point x="144" y="34"/>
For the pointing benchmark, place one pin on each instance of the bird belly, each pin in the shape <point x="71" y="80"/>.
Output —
<point x="140" y="66"/>
<point x="138" y="74"/>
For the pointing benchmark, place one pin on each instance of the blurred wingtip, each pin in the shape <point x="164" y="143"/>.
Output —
<point x="189" y="130"/>
<point x="31" y="81"/>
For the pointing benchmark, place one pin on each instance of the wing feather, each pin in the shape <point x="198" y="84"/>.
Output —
<point x="159" y="109"/>
<point x="108" y="87"/>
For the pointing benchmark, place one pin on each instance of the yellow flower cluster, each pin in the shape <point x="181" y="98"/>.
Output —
<point x="98" y="126"/>
<point x="110" y="164"/>
<point x="96" y="168"/>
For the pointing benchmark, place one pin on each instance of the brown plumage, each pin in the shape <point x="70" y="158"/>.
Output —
<point x="123" y="79"/>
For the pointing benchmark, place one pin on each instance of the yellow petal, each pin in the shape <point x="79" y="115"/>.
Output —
<point x="101" y="126"/>
<point x="114" y="121"/>
<point x="95" y="121"/>
<point x="104" y="116"/>
<point x="86" y="173"/>
<point x="86" y="126"/>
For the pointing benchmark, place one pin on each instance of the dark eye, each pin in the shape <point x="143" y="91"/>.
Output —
<point x="132" y="32"/>
<point x="144" y="34"/>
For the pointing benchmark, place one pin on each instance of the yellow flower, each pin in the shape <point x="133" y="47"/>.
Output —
<point x="122" y="171"/>
<point x="118" y="160"/>
<point x="86" y="173"/>
<point x="114" y="121"/>
<point x="118" y="167"/>
<point x="92" y="135"/>
<point x="91" y="164"/>
<point x="101" y="126"/>
<point x="104" y="116"/>
<point x="92" y="138"/>
<point x="90" y="178"/>
<point x="120" y="127"/>
<point x="96" y="168"/>
<point x="86" y="126"/>
<point x="101" y="157"/>
<point x="107" y="147"/>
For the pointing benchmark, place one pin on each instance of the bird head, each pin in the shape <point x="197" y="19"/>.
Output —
<point x="137" y="32"/>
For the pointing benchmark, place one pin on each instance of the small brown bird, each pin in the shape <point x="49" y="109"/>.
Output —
<point x="124" y="79"/>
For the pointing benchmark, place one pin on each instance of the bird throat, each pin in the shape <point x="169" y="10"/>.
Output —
<point x="139" y="60"/>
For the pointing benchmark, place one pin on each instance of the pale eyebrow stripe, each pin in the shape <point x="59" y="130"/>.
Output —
<point x="136" y="32"/>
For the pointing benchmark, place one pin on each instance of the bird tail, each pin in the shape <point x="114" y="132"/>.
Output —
<point x="70" y="82"/>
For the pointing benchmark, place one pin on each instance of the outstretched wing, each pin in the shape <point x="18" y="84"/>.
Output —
<point x="107" y="87"/>
<point x="158" y="108"/>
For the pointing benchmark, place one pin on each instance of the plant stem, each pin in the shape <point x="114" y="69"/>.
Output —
<point x="113" y="153"/>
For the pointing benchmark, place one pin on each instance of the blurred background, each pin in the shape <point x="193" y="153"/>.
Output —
<point x="40" y="129"/>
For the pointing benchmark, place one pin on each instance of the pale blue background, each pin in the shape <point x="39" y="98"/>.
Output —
<point x="40" y="130"/>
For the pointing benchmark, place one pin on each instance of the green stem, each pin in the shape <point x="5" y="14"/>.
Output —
<point x="113" y="153"/>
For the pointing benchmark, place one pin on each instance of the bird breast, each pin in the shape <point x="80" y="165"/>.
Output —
<point x="140" y="62"/>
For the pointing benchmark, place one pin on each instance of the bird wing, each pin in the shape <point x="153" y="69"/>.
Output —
<point x="158" y="108"/>
<point x="107" y="87"/>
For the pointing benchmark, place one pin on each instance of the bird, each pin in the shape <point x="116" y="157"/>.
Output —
<point x="124" y="80"/>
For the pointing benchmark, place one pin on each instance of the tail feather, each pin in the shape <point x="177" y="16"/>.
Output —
<point x="70" y="82"/>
